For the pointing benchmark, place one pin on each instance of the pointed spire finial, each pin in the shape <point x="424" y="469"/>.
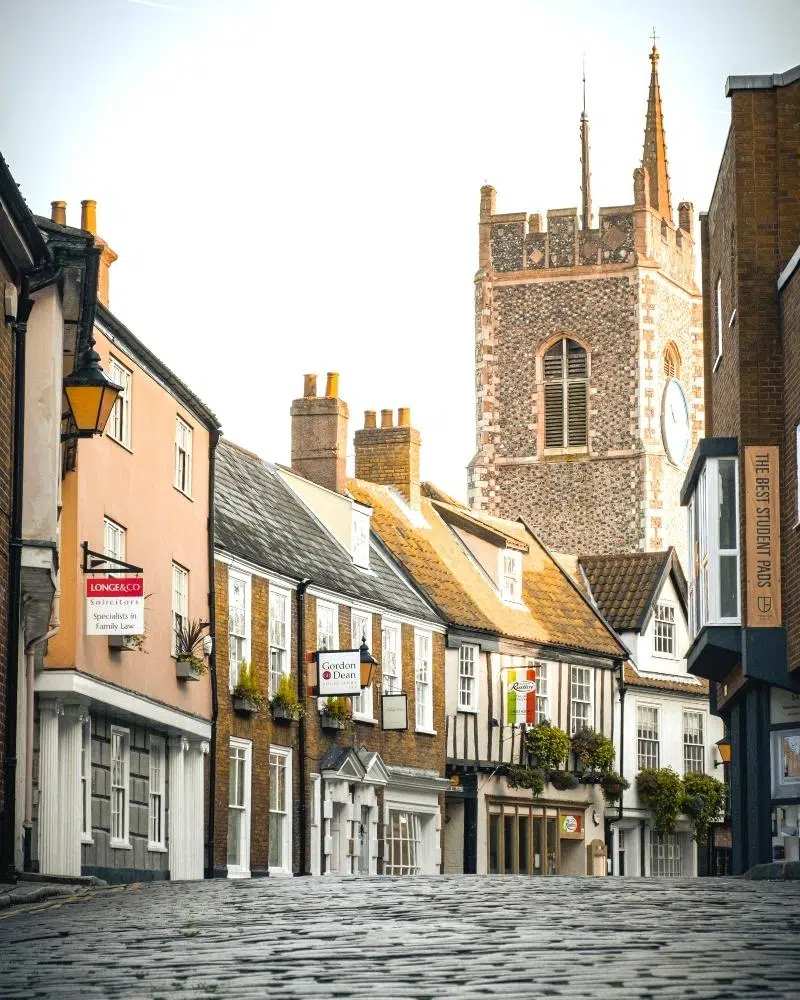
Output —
<point x="586" y="196"/>
<point x="654" y="156"/>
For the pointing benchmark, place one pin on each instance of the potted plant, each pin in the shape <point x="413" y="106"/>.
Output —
<point x="613" y="785"/>
<point x="246" y="696"/>
<point x="594" y="752"/>
<point x="526" y="777"/>
<point x="336" y="713"/>
<point x="191" y="664"/>
<point x="548" y="746"/>
<point x="285" y="704"/>
<point x="563" y="781"/>
<point x="662" y="792"/>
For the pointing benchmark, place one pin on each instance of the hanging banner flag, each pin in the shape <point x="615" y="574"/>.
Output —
<point x="114" y="605"/>
<point x="520" y="696"/>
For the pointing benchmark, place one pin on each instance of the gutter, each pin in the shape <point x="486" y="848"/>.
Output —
<point x="212" y="614"/>
<point x="302" y="587"/>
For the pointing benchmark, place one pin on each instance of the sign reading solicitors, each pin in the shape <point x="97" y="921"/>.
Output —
<point x="339" y="671"/>
<point x="763" y="536"/>
<point x="114" y="605"/>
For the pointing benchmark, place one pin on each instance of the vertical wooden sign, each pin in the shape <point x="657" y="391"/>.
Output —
<point x="762" y="536"/>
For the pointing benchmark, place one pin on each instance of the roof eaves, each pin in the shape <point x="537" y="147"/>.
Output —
<point x="655" y="590"/>
<point x="21" y="218"/>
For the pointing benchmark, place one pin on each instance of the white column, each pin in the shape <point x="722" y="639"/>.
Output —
<point x="70" y="736"/>
<point x="178" y="746"/>
<point x="50" y="853"/>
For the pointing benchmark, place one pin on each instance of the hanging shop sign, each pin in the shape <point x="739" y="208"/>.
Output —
<point x="571" y="826"/>
<point x="762" y="536"/>
<point x="339" y="671"/>
<point x="520" y="695"/>
<point x="114" y="605"/>
<point x="394" y="710"/>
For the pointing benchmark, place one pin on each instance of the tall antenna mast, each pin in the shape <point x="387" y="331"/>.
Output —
<point x="586" y="194"/>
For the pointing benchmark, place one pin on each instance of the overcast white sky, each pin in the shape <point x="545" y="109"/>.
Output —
<point x="293" y="186"/>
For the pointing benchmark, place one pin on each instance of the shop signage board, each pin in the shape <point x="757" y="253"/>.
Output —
<point x="520" y="695"/>
<point x="114" y="605"/>
<point x="571" y="825"/>
<point x="762" y="536"/>
<point x="339" y="671"/>
<point x="784" y="706"/>
<point x="394" y="709"/>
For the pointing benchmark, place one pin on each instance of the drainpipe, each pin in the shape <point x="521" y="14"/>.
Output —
<point x="212" y="660"/>
<point x="622" y="692"/>
<point x="302" y="587"/>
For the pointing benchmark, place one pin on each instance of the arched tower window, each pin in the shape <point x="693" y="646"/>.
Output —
<point x="672" y="362"/>
<point x="566" y="395"/>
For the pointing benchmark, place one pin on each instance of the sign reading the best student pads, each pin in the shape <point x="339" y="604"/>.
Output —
<point x="339" y="671"/>
<point x="762" y="536"/>
<point x="114" y="605"/>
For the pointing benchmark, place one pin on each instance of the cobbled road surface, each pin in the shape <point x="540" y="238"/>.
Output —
<point x="465" y="937"/>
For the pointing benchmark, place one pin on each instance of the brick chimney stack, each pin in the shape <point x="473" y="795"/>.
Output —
<point x="389" y="455"/>
<point x="319" y="434"/>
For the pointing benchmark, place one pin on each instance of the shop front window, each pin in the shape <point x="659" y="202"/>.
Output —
<point x="523" y="840"/>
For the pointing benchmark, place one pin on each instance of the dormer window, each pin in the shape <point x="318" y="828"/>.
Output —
<point x="360" y="538"/>
<point x="511" y="575"/>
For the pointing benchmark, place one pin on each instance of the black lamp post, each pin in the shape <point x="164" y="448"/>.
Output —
<point x="90" y="396"/>
<point x="368" y="663"/>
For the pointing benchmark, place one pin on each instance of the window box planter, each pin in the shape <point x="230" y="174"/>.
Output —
<point x="189" y="668"/>
<point x="245" y="705"/>
<point x="125" y="643"/>
<point x="331" y="721"/>
<point x="281" y="713"/>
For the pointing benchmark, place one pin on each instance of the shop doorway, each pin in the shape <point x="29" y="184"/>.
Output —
<point x="530" y="840"/>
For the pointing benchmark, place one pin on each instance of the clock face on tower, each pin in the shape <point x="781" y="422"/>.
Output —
<point x="675" y="422"/>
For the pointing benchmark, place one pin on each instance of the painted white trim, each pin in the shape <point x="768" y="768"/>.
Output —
<point x="243" y="871"/>
<point x="158" y="747"/>
<point x="376" y="609"/>
<point x="234" y="576"/>
<point x="355" y="642"/>
<point x="276" y="591"/>
<point x="126" y="702"/>
<point x="122" y="842"/>
<point x="245" y="566"/>
<point x="286" y="867"/>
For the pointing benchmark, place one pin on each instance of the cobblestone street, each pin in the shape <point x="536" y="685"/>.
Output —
<point x="463" y="937"/>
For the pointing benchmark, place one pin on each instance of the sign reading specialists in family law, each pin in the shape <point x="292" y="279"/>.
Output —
<point x="762" y="536"/>
<point x="339" y="671"/>
<point x="114" y="605"/>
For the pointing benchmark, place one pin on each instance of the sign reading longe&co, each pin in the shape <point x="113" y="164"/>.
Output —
<point x="114" y="605"/>
<point x="339" y="671"/>
<point x="520" y="689"/>
<point x="762" y="536"/>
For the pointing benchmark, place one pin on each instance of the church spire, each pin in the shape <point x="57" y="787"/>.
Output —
<point x="586" y="193"/>
<point x="654" y="157"/>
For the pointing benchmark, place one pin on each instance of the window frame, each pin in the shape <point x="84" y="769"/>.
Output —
<point x="471" y="704"/>
<point x="672" y="622"/>
<point x="237" y="578"/>
<point x="566" y="382"/>
<point x="670" y="855"/>
<point x="274" y="676"/>
<point x="423" y="722"/>
<point x="86" y="781"/>
<point x="396" y="676"/>
<point x="363" y="704"/>
<point x="178" y="572"/>
<point x="359" y="541"/>
<point x="506" y="591"/>
<point x="695" y="744"/>
<point x="241" y="870"/>
<point x="334" y="609"/>
<point x="648" y="706"/>
<point x="114" y="528"/>
<point x="414" y="844"/>
<point x="185" y="430"/>
<point x="157" y="751"/>
<point x="120" y="374"/>
<point x="285" y="868"/>
<point x="573" y="701"/>
<point x="542" y="696"/>
<point x="123" y="842"/>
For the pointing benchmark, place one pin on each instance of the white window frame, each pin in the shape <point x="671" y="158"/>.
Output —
<point x="704" y="548"/>
<point x="118" y="427"/>
<point x="665" y="630"/>
<point x="243" y="580"/>
<point x="183" y="447"/>
<point x="359" y="537"/>
<point x="391" y="658"/>
<point x="280" y="647"/>
<point x="469" y="659"/>
<point x="581" y="681"/>
<point x="691" y="742"/>
<point x="510" y="575"/>
<point x="665" y="855"/>
<point x="285" y="754"/>
<point x="333" y="610"/>
<point x="180" y="601"/>
<point x="242" y="870"/>
<point x="86" y="781"/>
<point x="412" y="842"/>
<point x="124" y="735"/>
<point x="648" y="746"/>
<point x="423" y="681"/>
<point x="157" y="794"/>
<point x="718" y="304"/>
<point x="542" y="689"/>
<point x="363" y="703"/>
<point x="115" y="539"/>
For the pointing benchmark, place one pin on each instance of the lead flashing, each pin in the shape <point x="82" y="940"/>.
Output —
<point x="766" y="82"/>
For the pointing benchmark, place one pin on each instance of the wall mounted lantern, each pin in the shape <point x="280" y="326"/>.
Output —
<point x="90" y="396"/>
<point x="368" y="663"/>
<point x="724" y="747"/>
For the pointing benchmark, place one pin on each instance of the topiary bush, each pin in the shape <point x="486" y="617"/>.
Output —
<point x="548" y="746"/>
<point x="662" y="792"/>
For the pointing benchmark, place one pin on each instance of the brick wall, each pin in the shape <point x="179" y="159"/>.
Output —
<point x="7" y="355"/>
<point x="790" y="548"/>
<point x="389" y="456"/>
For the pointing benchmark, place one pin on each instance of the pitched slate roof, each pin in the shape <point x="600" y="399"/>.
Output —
<point x="555" y="613"/>
<point x="258" y="518"/>
<point x="625" y="585"/>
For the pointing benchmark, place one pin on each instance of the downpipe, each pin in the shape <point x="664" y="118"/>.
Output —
<point x="302" y="587"/>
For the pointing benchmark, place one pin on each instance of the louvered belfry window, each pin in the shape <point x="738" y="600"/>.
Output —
<point x="566" y="395"/>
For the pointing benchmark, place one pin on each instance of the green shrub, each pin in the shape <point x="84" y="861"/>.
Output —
<point x="286" y="698"/>
<point x="662" y="792"/>
<point x="547" y="746"/>
<point x="246" y="686"/>
<point x="613" y="785"/>
<point x="526" y="777"/>
<point x="593" y="751"/>
<point x="338" y="707"/>
<point x="563" y="780"/>
<point x="703" y="802"/>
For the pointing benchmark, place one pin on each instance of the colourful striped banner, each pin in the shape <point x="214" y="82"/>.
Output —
<point x="520" y="687"/>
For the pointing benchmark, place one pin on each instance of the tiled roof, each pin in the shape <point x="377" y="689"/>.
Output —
<point x="431" y="552"/>
<point x="258" y="518"/>
<point x="625" y="585"/>
<point x="697" y="687"/>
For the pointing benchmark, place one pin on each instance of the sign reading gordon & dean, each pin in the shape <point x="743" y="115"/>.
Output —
<point x="114" y="605"/>
<point x="762" y="536"/>
<point x="339" y="671"/>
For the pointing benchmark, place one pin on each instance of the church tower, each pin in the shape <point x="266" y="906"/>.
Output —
<point x="589" y="362"/>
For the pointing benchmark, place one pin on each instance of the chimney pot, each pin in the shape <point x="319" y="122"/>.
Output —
<point x="332" y="385"/>
<point x="404" y="417"/>
<point x="386" y="418"/>
<point x="369" y="420"/>
<point x="89" y="216"/>
<point x="58" y="212"/>
<point x="309" y="386"/>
